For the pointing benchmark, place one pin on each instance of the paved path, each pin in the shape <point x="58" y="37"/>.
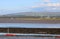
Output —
<point x="25" y="37"/>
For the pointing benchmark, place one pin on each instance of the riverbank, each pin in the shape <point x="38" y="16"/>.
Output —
<point x="29" y="20"/>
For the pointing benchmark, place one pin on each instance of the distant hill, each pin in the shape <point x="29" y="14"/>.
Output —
<point x="33" y="14"/>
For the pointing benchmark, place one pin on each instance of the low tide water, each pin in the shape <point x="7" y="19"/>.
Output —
<point x="29" y="25"/>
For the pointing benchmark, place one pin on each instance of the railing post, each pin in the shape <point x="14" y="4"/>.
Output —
<point x="8" y="30"/>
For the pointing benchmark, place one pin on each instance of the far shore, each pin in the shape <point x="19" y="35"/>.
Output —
<point x="29" y="20"/>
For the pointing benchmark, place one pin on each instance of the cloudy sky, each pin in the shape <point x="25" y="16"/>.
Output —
<point x="12" y="6"/>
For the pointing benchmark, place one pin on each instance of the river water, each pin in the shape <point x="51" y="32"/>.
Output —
<point x="28" y="25"/>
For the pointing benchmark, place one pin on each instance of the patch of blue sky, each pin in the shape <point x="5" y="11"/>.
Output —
<point x="10" y="6"/>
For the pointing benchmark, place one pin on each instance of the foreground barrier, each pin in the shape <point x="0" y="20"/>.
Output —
<point x="32" y="36"/>
<point x="22" y="34"/>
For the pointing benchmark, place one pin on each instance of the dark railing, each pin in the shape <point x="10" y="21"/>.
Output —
<point x="31" y="30"/>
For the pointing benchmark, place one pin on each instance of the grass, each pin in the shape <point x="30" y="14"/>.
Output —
<point x="37" y="18"/>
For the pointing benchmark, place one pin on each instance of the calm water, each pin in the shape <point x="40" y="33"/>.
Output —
<point x="29" y="25"/>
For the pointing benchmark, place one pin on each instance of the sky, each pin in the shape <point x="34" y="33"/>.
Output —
<point x="15" y="6"/>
